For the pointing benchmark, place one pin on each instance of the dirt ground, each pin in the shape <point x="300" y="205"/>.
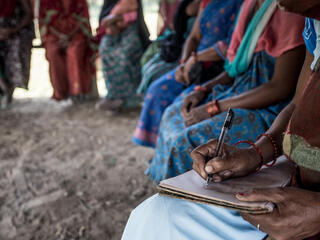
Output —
<point x="68" y="172"/>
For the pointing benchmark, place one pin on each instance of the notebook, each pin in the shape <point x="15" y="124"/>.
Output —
<point x="190" y="186"/>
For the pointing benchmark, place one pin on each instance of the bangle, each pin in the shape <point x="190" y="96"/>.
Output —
<point x="213" y="108"/>
<point x="200" y="89"/>
<point x="257" y="150"/>
<point x="275" y="148"/>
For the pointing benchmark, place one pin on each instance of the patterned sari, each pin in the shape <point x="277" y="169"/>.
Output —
<point x="175" y="141"/>
<point x="120" y="57"/>
<point x="72" y="69"/>
<point x="163" y="91"/>
<point x="15" y="52"/>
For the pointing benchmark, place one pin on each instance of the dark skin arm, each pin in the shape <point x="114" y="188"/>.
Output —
<point x="297" y="215"/>
<point x="282" y="85"/>
<point x="5" y="33"/>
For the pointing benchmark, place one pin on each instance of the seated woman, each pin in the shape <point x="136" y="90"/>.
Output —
<point x="169" y="45"/>
<point x="16" y="35"/>
<point x="297" y="215"/>
<point x="264" y="60"/>
<point x="66" y="34"/>
<point x="210" y="40"/>
<point x="125" y="38"/>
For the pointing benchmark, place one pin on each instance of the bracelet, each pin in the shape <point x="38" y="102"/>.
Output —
<point x="258" y="151"/>
<point x="275" y="148"/>
<point x="213" y="108"/>
<point x="200" y="89"/>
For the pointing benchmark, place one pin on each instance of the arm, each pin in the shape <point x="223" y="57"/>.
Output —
<point x="194" y="38"/>
<point x="241" y="162"/>
<point x="280" y="124"/>
<point x="282" y="85"/>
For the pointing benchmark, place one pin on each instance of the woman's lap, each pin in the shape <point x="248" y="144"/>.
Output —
<point x="161" y="217"/>
<point x="120" y="62"/>
<point x="160" y="95"/>
<point x="175" y="142"/>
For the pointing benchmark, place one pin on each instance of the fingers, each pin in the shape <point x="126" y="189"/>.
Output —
<point x="221" y="167"/>
<point x="274" y="195"/>
<point x="200" y="155"/>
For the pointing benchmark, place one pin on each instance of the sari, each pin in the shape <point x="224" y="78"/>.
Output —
<point x="175" y="141"/>
<point x="72" y="68"/>
<point x="121" y="56"/>
<point x="179" y="219"/>
<point x="15" y="51"/>
<point x="163" y="91"/>
<point x="170" y="46"/>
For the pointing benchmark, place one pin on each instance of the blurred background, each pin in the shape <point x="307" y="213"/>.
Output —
<point x="39" y="85"/>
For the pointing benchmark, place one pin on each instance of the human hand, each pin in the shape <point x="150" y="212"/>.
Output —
<point x="114" y="30"/>
<point x="5" y="33"/>
<point x="187" y="67"/>
<point x="191" y="101"/>
<point x="111" y="20"/>
<point x="179" y="74"/>
<point x="196" y="115"/>
<point x="232" y="162"/>
<point x="296" y="217"/>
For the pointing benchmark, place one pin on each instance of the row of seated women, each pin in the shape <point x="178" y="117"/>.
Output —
<point x="271" y="79"/>
<point x="71" y="49"/>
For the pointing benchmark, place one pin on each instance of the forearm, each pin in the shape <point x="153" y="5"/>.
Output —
<point x="190" y="46"/>
<point x="223" y="79"/>
<point x="276" y="132"/>
<point x="260" y="97"/>
<point x="208" y="55"/>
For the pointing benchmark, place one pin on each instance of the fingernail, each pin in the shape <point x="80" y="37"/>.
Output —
<point x="227" y="174"/>
<point x="216" y="179"/>
<point x="209" y="169"/>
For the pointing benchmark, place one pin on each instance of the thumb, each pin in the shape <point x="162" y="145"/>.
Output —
<point x="260" y="195"/>
<point x="217" y="165"/>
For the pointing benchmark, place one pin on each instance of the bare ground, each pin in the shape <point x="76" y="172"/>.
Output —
<point x="68" y="172"/>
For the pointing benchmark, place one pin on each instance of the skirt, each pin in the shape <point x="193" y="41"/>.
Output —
<point x="161" y="217"/>
<point x="121" y="65"/>
<point x="175" y="141"/>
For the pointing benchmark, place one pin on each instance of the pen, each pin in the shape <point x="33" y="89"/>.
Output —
<point x="226" y="126"/>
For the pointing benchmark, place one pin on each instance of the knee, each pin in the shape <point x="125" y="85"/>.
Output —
<point x="53" y="51"/>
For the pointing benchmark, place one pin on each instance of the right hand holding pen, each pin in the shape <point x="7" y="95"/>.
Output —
<point x="233" y="162"/>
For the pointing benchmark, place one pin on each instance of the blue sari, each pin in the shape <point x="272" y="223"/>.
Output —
<point x="163" y="91"/>
<point x="175" y="141"/>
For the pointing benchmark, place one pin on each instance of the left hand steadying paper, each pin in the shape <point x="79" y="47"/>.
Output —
<point x="296" y="217"/>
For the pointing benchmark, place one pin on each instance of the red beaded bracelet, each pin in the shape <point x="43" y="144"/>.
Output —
<point x="200" y="89"/>
<point x="258" y="151"/>
<point x="275" y="148"/>
<point x="213" y="108"/>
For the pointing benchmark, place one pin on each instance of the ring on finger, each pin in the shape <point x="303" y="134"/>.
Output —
<point x="258" y="226"/>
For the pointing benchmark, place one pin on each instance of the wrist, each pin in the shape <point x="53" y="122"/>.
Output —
<point x="202" y="89"/>
<point x="213" y="108"/>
